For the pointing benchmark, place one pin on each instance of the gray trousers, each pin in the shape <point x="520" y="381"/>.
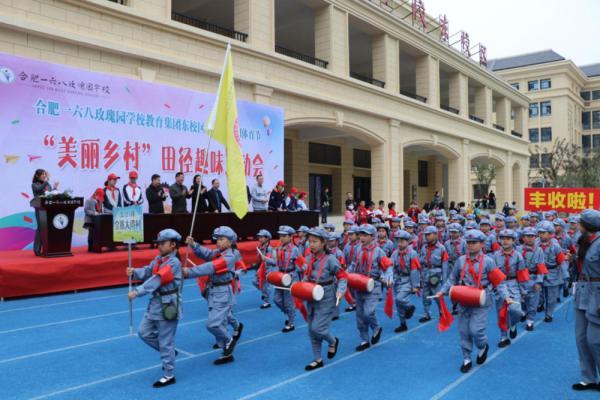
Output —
<point x="532" y="299"/>
<point x="219" y="314"/>
<point x="551" y="293"/>
<point x="587" y="339"/>
<point x="160" y="335"/>
<point x="471" y="328"/>
<point x="402" y="292"/>
<point x="284" y="301"/>
<point x="266" y="289"/>
<point x="319" y="320"/>
<point x="515" y="311"/>
<point x="429" y="290"/>
<point x="366" y="305"/>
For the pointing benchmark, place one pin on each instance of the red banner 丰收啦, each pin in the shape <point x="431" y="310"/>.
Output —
<point x="570" y="200"/>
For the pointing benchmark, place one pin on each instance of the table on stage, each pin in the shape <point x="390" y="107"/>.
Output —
<point x="246" y="228"/>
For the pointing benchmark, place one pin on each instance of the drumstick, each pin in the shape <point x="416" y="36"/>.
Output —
<point x="435" y="296"/>
<point x="283" y="288"/>
<point x="260" y="252"/>
<point x="191" y="262"/>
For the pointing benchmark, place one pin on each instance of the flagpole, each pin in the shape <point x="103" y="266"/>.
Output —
<point x="207" y="149"/>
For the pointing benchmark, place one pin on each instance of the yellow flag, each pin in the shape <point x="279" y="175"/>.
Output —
<point x="223" y="126"/>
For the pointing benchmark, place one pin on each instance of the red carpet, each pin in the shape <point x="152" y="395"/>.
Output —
<point x="24" y="274"/>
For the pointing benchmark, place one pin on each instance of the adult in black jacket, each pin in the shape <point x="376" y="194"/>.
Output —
<point x="215" y="198"/>
<point x="203" y="205"/>
<point x="277" y="198"/>
<point x="155" y="194"/>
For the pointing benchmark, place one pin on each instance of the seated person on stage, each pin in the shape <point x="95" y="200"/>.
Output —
<point x="291" y="201"/>
<point x="156" y="194"/>
<point x="277" y="198"/>
<point x="302" y="202"/>
<point x="132" y="193"/>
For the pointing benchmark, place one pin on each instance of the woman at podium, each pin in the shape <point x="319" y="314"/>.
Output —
<point x="39" y="186"/>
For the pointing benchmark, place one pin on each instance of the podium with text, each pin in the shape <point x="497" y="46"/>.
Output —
<point x="55" y="219"/>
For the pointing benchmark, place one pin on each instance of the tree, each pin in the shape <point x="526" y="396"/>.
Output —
<point x="485" y="174"/>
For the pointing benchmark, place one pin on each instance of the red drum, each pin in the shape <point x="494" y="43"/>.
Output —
<point x="467" y="296"/>
<point x="279" y="279"/>
<point x="308" y="291"/>
<point x="361" y="283"/>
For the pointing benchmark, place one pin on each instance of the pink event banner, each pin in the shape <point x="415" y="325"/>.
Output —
<point x="81" y="126"/>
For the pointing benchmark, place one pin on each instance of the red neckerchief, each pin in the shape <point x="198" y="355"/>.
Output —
<point x="321" y="258"/>
<point x="507" y="263"/>
<point x="476" y="277"/>
<point x="282" y="251"/>
<point x="134" y="187"/>
<point x="159" y="263"/>
<point x="456" y="246"/>
<point x="367" y="257"/>
<point x="527" y="248"/>
<point x="112" y="190"/>
<point x="430" y="248"/>
<point x="352" y="246"/>
<point x="401" y="254"/>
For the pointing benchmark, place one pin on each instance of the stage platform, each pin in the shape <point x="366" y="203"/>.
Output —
<point x="24" y="274"/>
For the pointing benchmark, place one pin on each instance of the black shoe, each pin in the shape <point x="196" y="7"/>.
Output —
<point x="523" y="318"/>
<point x="288" y="328"/>
<point x="350" y="308"/>
<point x="401" y="328"/>
<point x="363" y="346"/>
<point x="265" y="305"/>
<point x="540" y="308"/>
<point x="481" y="359"/>
<point x="410" y="311"/>
<point x="314" y="365"/>
<point x="529" y="327"/>
<point x="216" y="346"/>
<point x="426" y="318"/>
<point x="223" y="360"/>
<point x="376" y="336"/>
<point x="164" y="381"/>
<point x="547" y="318"/>
<point x="176" y="353"/>
<point x="229" y="347"/>
<point x="335" y="318"/>
<point x="238" y="332"/>
<point x="464" y="368"/>
<point x="454" y="309"/>
<point x="566" y="292"/>
<point x="588" y="386"/>
<point x="558" y="299"/>
<point x="513" y="332"/>
<point x="504" y="343"/>
<point x="331" y="354"/>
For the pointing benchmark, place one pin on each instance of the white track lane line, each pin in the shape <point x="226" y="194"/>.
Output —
<point x="497" y="353"/>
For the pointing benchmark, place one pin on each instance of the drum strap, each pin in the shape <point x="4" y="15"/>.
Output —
<point x="311" y="264"/>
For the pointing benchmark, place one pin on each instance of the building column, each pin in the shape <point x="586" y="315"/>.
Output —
<point x="257" y="19"/>
<point x="503" y="111"/>
<point x="396" y="165"/>
<point x="159" y="9"/>
<point x="380" y="172"/>
<point x="295" y="160"/>
<point x="464" y="173"/>
<point x="386" y="54"/>
<point x="508" y="181"/>
<point x="331" y="38"/>
<point x="483" y="104"/>
<point x="521" y="115"/>
<point x="262" y="94"/>
<point x="346" y="176"/>
<point x="428" y="79"/>
<point x="459" y="93"/>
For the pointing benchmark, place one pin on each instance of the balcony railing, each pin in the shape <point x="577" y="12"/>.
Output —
<point x="476" y="119"/>
<point x="515" y="133"/>
<point x="302" y="57"/>
<point x="450" y="109"/>
<point x="499" y="127"/>
<point x="363" y="78"/>
<point x="185" y="19"/>
<point x="412" y="95"/>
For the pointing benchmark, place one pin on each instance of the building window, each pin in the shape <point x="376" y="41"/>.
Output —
<point x="545" y="84"/>
<point x="596" y="120"/>
<point x="585" y="95"/>
<point x="596" y="95"/>
<point x="546" y="108"/>
<point x="585" y="120"/>
<point x="423" y="173"/>
<point x="533" y="110"/>
<point x="515" y="85"/>
<point x="533" y="85"/>
<point x="124" y="2"/>
<point x="324" y="154"/>
<point x="586" y="142"/>
<point x="534" y="135"/>
<point x="546" y="134"/>
<point x="596" y="141"/>
<point x="362" y="158"/>
<point x="512" y="114"/>
<point x="546" y="160"/>
<point x="534" y="161"/>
